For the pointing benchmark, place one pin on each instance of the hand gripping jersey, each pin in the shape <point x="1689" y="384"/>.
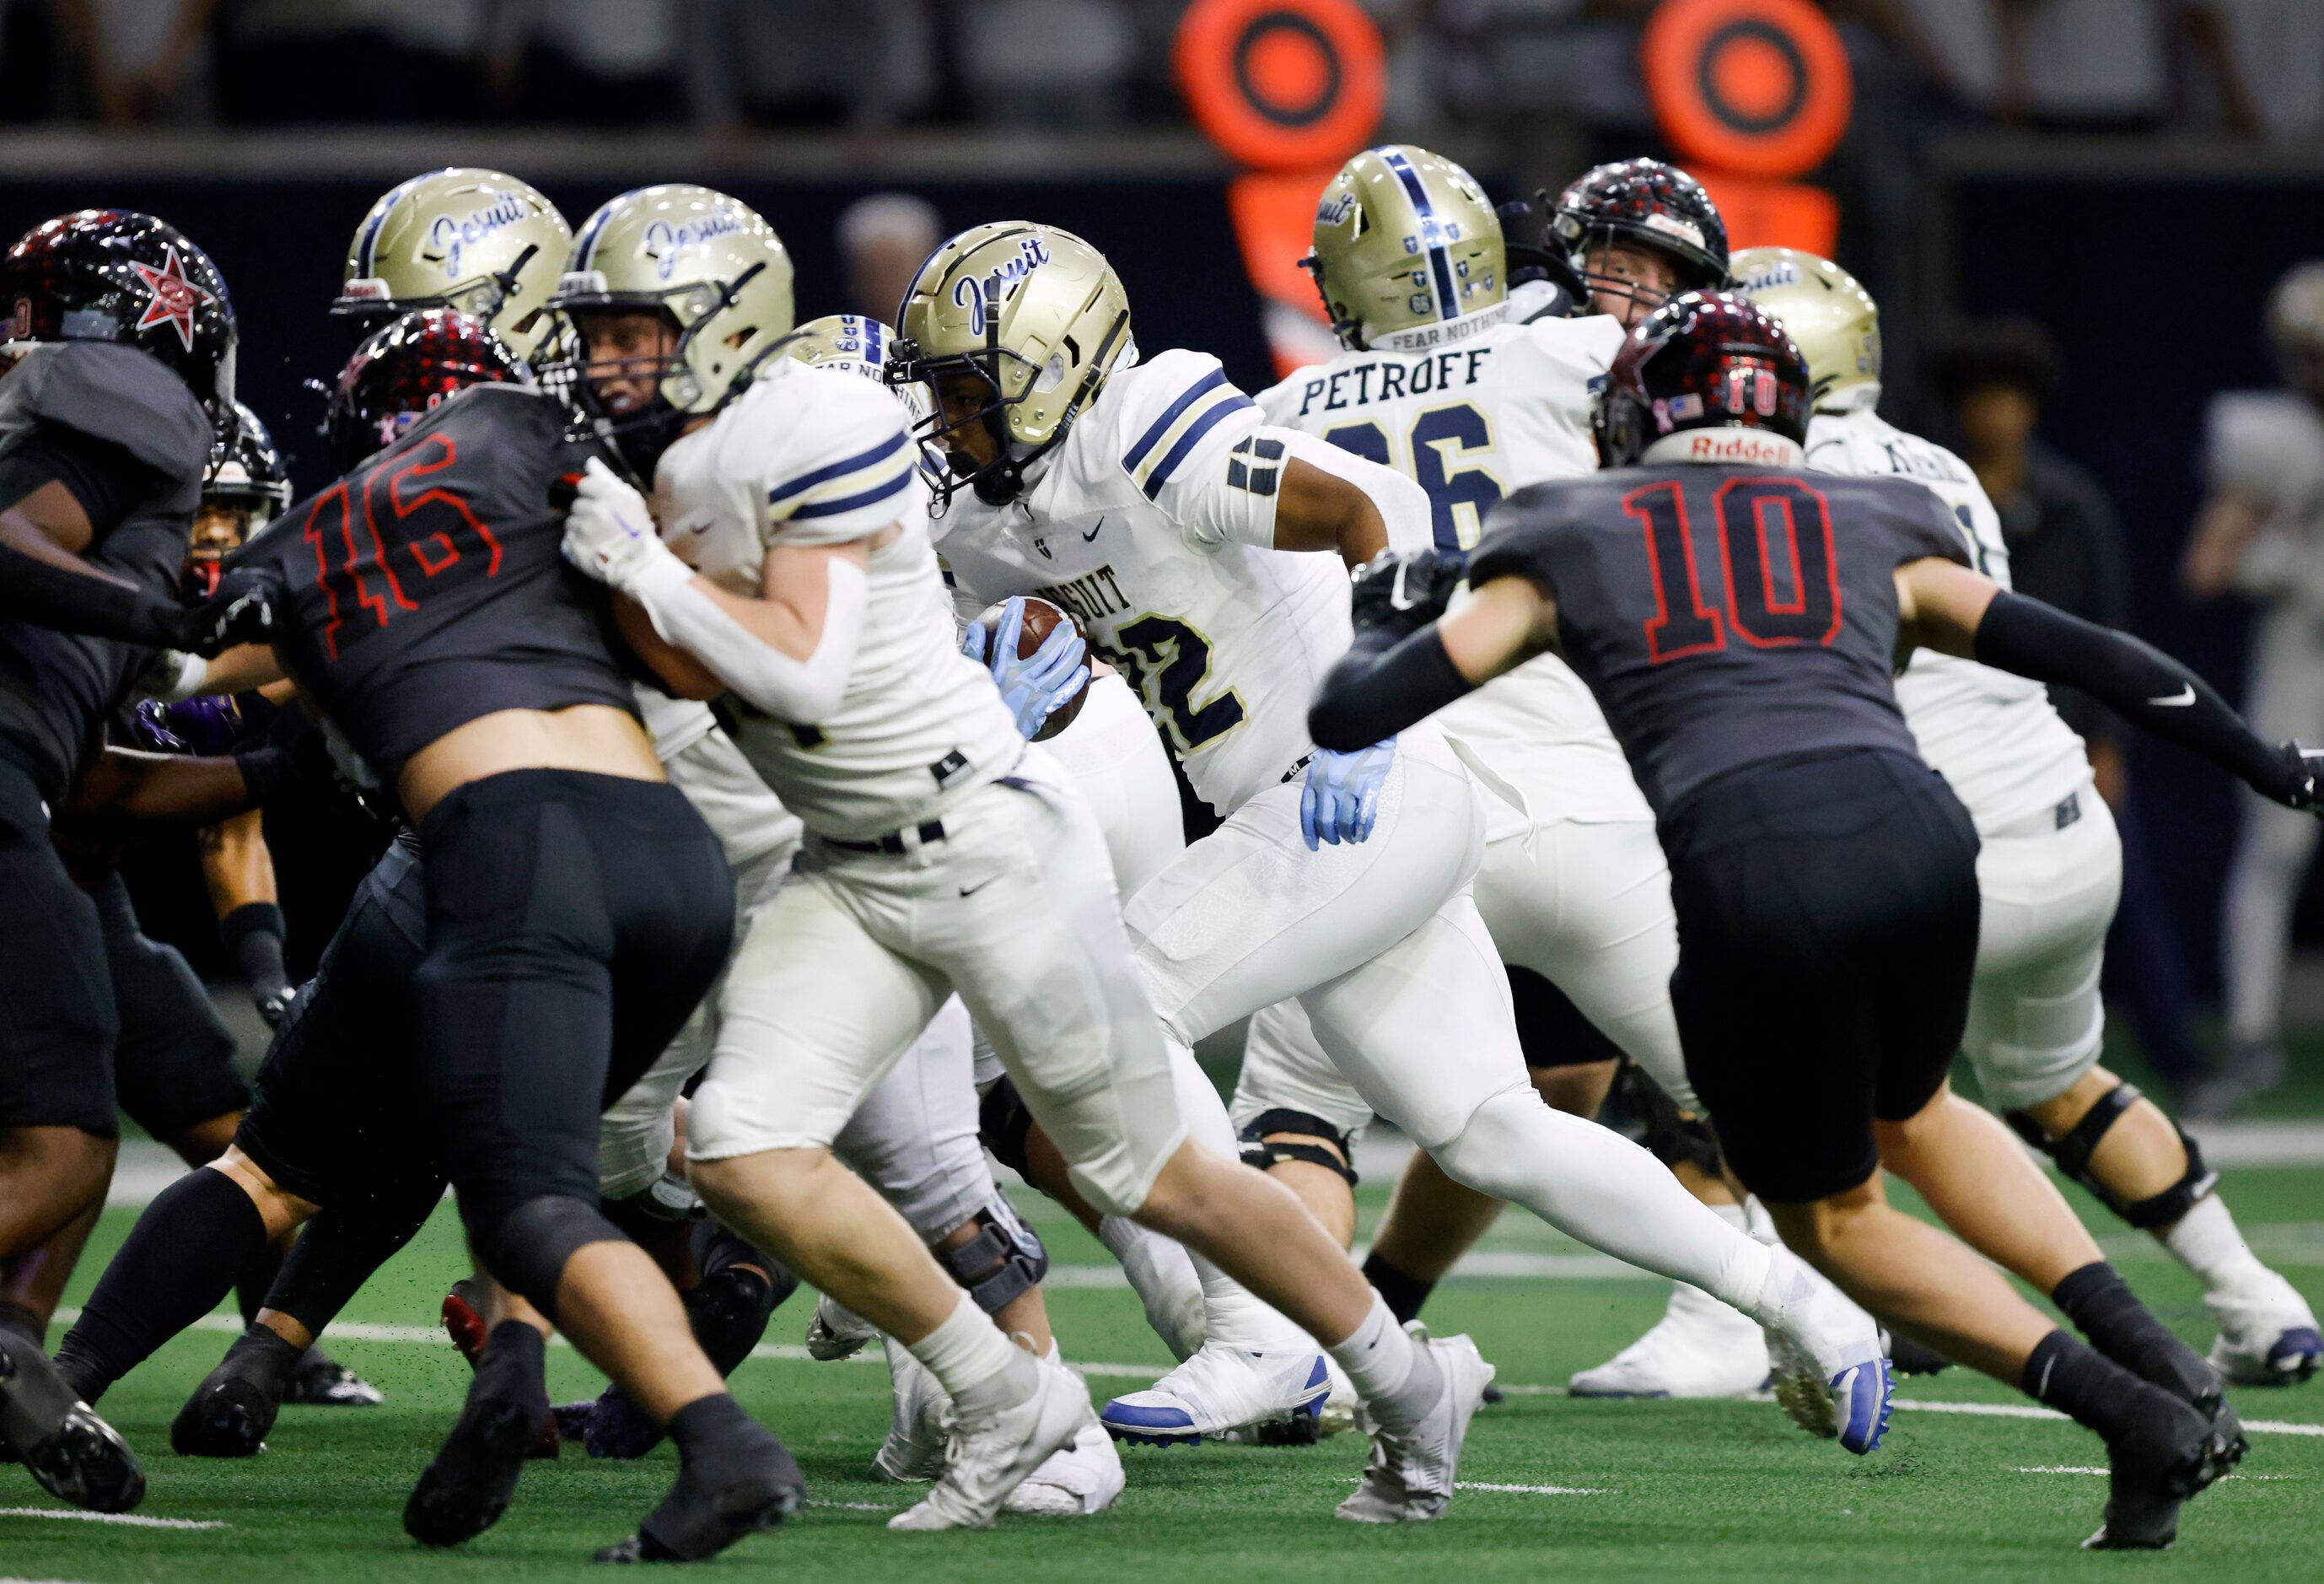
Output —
<point x="2269" y="446"/>
<point x="1725" y="616"/>
<point x="818" y="456"/>
<point x="1992" y="736"/>
<point x="427" y="588"/>
<point x="57" y="690"/>
<point x="1509" y="407"/>
<point x="1224" y="642"/>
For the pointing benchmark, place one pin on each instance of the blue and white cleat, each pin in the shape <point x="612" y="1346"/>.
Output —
<point x="1220" y="1389"/>
<point x="2268" y="1334"/>
<point x="1829" y="1372"/>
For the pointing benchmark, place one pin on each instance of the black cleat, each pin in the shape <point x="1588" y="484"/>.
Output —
<point x="759" y="1486"/>
<point x="2176" y="1451"/>
<point x="320" y="1381"/>
<point x="1494" y="1396"/>
<point x="230" y="1413"/>
<point x="76" y="1456"/>
<point x="1911" y="1357"/>
<point x="618" y="1428"/>
<point x="464" y="1491"/>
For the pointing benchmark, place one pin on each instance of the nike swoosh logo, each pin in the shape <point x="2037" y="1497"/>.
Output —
<point x="2178" y="701"/>
<point x="973" y="890"/>
<point x="1092" y="532"/>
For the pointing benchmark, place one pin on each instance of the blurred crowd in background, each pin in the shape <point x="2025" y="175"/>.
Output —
<point x="2248" y="68"/>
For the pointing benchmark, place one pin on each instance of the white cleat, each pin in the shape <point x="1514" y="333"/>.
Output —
<point x="913" y="1451"/>
<point x="1220" y="1389"/>
<point x="835" y="1332"/>
<point x="1830" y="1373"/>
<point x="1077" y="1480"/>
<point x="1409" y="1479"/>
<point x="2267" y="1333"/>
<point x="1701" y="1348"/>
<point x="988" y="1458"/>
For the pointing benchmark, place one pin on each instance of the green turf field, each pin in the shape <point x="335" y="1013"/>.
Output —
<point x="1587" y="1490"/>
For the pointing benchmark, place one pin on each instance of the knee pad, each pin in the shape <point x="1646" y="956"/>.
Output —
<point x="1668" y="1134"/>
<point x="1002" y="1263"/>
<point x="2072" y="1152"/>
<point x="1003" y="1123"/>
<point x="669" y="1203"/>
<point x="528" y="1249"/>
<point x="1258" y="1152"/>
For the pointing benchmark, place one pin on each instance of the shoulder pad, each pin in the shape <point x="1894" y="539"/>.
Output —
<point x="120" y="396"/>
<point x="838" y="460"/>
<point x="1161" y="410"/>
<point x="1587" y="345"/>
<point x="2263" y="443"/>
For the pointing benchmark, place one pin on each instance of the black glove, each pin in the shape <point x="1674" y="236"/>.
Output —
<point x="1402" y="591"/>
<point x="242" y="611"/>
<point x="2302" y="768"/>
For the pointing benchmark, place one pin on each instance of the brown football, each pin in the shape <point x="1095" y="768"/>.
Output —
<point x="1041" y="619"/>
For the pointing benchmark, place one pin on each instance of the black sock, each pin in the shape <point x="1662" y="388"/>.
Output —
<point x="340" y="1248"/>
<point x="1404" y="1294"/>
<point x="512" y="1367"/>
<point x="708" y="1426"/>
<point x="2107" y="1311"/>
<point x="253" y="1281"/>
<point x="2092" y="1391"/>
<point x="16" y="1319"/>
<point x="176" y="1264"/>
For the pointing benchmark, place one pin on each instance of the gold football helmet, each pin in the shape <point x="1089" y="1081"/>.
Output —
<point x="1831" y="317"/>
<point x="476" y="240"/>
<point x="1405" y="239"/>
<point x="1019" y="324"/>
<point x="714" y="270"/>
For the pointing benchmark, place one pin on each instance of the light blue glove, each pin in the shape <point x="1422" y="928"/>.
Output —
<point x="1341" y="800"/>
<point x="1042" y="682"/>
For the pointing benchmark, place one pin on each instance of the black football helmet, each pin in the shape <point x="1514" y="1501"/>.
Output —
<point x="1702" y="360"/>
<point x="246" y="487"/>
<point x="120" y="276"/>
<point x="1642" y="202"/>
<point x="403" y="369"/>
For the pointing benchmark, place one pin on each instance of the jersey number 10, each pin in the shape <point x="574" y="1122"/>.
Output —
<point x="1777" y="557"/>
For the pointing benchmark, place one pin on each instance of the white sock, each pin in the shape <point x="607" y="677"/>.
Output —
<point x="1394" y="1375"/>
<point x="1231" y="1316"/>
<point x="1162" y="1274"/>
<point x="1592" y="1184"/>
<point x="982" y="1370"/>
<point x="2208" y="1243"/>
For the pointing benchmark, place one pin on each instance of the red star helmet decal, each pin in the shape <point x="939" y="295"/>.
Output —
<point x="175" y="300"/>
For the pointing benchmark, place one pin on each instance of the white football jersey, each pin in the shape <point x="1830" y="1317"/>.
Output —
<point x="817" y="456"/>
<point x="748" y="820"/>
<point x="1992" y="736"/>
<point x="2269" y="446"/>
<point x="1225" y="642"/>
<point x="1508" y="407"/>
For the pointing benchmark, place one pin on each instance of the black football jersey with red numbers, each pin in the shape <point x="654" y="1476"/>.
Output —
<point x="1725" y="614"/>
<point x="426" y="587"/>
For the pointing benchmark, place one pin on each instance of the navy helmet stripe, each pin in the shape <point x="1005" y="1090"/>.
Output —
<point x="584" y="254"/>
<point x="1161" y="426"/>
<point x="839" y="469"/>
<point x="366" y="265"/>
<point x="1186" y="441"/>
<point x="1440" y="263"/>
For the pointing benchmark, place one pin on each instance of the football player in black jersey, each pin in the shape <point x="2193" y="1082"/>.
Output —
<point x="577" y="910"/>
<point x="1738" y="619"/>
<point x="119" y="352"/>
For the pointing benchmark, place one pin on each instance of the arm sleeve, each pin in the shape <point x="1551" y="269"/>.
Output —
<point x="46" y="595"/>
<point x="799" y="690"/>
<point x="1234" y="497"/>
<point x="1382" y="685"/>
<point x="2135" y="679"/>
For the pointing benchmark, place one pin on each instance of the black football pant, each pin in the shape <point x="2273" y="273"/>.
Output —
<point x="58" y="1021"/>
<point x="1827" y="931"/>
<point x="573" y="922"/>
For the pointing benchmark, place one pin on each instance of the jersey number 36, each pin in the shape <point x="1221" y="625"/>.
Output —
<point x="1458" y="498"/>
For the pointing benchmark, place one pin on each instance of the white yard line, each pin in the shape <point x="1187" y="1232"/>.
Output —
<point x="131" y="1519"/>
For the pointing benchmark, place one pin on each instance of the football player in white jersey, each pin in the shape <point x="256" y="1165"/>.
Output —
<point x="2260" y="535"/>
<point x="2049" y="873"/>
<point x="943" y="852"/>
<point x="1574" y="889"/>
<point x="1152" y="500"/>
